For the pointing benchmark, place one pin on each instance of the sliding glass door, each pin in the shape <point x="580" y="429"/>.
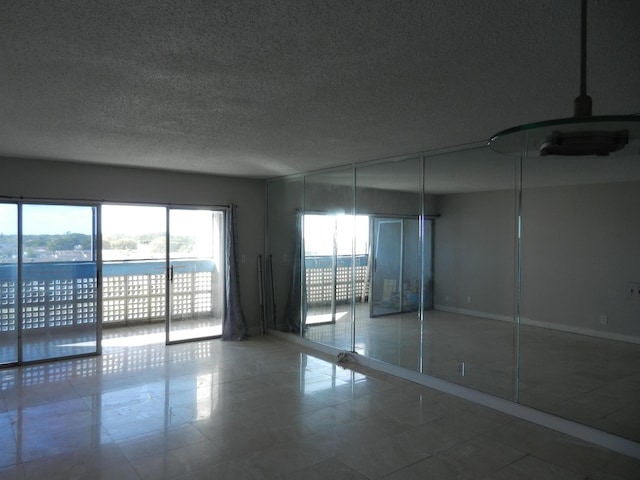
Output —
<point x="158" y="265"/>
<point x="164" y="266"/>
<point x="8" y="283"/>
<point x="386" y="279"/>
<point x="196" y="274"/>
<point x="58" y="277"/>
<point x="395" y="280"/>
<point x="134" y="252"/>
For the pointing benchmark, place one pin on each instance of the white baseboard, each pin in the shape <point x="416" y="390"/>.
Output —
<point x="473" y="313"/>
<point x="559" y="424"/>
<point x="590" y="332"/>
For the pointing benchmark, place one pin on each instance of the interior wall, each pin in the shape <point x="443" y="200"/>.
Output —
<point x="39" y="179"/>
<point x="377" y="201"/>
<point x="578" y="257"/>
<point x="579" y="252"/>
<point x="284" y="202"/>
<point x="474" y="250"/>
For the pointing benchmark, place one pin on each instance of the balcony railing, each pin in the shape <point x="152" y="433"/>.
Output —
<point x="319" y="273"/>
<point x="64" y="294"/>
<point x="56" y="295"/>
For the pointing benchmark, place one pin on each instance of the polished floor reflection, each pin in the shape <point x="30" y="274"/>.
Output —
<point x="589" y="380"/>
<point x="260" y="409"/>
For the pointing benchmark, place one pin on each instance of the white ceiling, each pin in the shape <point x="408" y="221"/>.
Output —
<point x="269" y="88"/>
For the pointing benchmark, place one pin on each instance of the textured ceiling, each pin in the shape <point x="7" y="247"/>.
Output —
<point x="269" y="88"/>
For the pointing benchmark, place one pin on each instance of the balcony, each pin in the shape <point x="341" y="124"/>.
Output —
<point x="63" y="294"/>
<point x="319" y="275"/>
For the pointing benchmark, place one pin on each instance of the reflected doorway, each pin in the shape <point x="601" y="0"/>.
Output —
<point x="328" y="264"/>
<point x="396" y="266"/>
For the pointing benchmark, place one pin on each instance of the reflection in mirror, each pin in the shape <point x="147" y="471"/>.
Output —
<point x="470" y="331"/>
<point x="559" y="333"/>
<point x="328" y="264"/>
<point x="281" y="266"/>
<point x="387" y="308"/>
<point x="580" y="306"/>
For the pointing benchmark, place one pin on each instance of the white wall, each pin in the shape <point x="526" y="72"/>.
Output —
<point x="37" y="179"/>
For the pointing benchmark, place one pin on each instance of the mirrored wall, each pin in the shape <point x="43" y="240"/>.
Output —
<point x="515" y="277"/>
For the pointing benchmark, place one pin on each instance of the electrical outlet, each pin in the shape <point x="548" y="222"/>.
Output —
<point x="461" y="369"/>
<point x="633" y="290"/>
<point x="468" y="299"/>
<point x="604" y="320"/>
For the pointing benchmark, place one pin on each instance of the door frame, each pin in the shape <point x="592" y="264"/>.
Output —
<point x="170" y="273"/>
<point x="19" y="288"/>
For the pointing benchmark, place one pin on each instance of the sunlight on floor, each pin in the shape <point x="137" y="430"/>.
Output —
<point x="323" y="318"/>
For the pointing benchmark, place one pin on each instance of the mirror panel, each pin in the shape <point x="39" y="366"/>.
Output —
<point x="470" y="331"/>
<point x="579" y="332"/>
<point x="388" y="202"/>
<point x="328" y="264"/>
<point x="559" y="334"/>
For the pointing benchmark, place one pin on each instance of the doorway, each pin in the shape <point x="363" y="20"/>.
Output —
<point x="69" y="270"/>
<point x="335" y="249"/>
<point x="164" y="266"/>
<point x="48" y="282"/>
<point x="196" y="266"/>
<point x="395" y="279"/>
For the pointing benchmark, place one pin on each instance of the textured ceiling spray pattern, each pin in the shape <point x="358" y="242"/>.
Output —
<point x="265" y="89"/>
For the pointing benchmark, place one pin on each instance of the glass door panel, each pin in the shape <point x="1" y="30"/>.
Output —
<point x="196" y="274"/>
<point x="427" y="264"/>
<point x="395" y="285"/>
<point x="8" y="283"/>
<point x="320" y="263"/>
<point x="59" y="280"/>
<point x="134" y="256"/>
<point x="387" y="266"/>
<point x="411" y="269"/>
<point x="327" y="258"/>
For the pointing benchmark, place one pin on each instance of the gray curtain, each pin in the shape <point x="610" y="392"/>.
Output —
<point x="234" y="326"/>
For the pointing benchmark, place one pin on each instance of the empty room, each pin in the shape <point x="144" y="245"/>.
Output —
<point x="319" y="239"/>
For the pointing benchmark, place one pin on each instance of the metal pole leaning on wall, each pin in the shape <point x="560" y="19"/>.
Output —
<point x="263" y="319"/>
<point x="273" y="292"/>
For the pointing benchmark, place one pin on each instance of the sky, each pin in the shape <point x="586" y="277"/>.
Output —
<point x="46" y="219"/>
<point x="116" y="219"/>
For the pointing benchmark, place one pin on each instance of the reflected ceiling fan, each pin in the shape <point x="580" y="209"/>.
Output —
<point x="580" y="135"/>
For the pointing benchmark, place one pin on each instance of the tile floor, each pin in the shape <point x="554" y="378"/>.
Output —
<point x="263" y="408"/>
<point x="589" y="380"/>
